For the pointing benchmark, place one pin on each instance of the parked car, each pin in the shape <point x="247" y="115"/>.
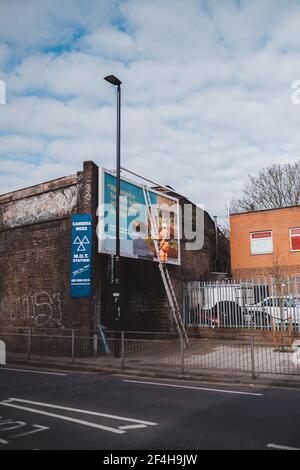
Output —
<point x="229" y="313"/>
<point x="221" y="303"/>
<point x="275" y="310"/>
<point x="224" y="313"/>
<point x="210" y="318"/>
<point x="203" y="317"/>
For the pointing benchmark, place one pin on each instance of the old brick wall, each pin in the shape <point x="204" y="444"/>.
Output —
<point x="35" y="238"/>
<point x="247" y="266"/>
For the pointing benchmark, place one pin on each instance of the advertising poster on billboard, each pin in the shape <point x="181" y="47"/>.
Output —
<point x="135" y="230"/>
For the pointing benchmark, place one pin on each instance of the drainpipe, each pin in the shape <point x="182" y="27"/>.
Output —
<point x="217" y="238"/>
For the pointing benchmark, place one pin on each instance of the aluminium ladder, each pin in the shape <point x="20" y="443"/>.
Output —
<point x="164" y="272"/>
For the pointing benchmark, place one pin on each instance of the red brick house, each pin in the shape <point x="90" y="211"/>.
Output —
<point x="264" y="241"/>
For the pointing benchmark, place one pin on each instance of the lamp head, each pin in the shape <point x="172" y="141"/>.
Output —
<point x="113" y="80"/>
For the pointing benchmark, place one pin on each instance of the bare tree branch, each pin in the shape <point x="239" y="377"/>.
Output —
<point x="273" y="187"/>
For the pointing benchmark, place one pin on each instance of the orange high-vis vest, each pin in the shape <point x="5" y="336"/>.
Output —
<point x="164" y="245"/>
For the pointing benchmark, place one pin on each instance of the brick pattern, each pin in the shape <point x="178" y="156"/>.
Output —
<point x="35" y="260"/>
<point x="244" y="265"/>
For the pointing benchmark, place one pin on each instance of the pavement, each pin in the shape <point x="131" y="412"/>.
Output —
<point x="161" y="369"/>
<point x="49" y="409"/>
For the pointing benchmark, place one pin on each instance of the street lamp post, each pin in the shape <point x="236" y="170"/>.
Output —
<point x="116" y="261"/>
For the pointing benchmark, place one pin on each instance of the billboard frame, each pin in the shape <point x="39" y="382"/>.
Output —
<point x="101" y="191"/>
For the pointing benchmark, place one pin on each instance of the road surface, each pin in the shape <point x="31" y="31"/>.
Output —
<point x="66" y="410"/>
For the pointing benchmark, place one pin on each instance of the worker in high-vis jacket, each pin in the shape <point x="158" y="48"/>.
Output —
<point x="164" y="245"/>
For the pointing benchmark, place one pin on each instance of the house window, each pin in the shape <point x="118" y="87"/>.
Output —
<point x="261" y="242"/>
<point x="295" y="239"/>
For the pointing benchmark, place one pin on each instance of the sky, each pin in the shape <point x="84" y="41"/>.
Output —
<point x="206" y="90"/>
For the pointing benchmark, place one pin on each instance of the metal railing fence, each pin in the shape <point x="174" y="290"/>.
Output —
<point x="251" y="353"/>
<point x="264" y="304"/>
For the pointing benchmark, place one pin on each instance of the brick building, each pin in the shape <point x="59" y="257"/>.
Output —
<point x="265" y="242"/>
<point x="35" y="248"/>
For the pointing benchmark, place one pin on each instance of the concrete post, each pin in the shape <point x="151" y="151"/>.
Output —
<point x="95" y="345"/>
<point x="73" y="345"/>
<point x="181" y="355"/>
<point x="123" y="350"/>
<point x="252" y="357"/>
<point x="2" y="353"/>
<point x="29" y="344"/>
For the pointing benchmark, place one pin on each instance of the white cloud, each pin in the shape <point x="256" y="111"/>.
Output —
<point x="16" y="144"/>
<point x="205" y="95"/>
<point x="110" y="43"/>
<point x="25" y="174"/>
<point x="177" y="31"/>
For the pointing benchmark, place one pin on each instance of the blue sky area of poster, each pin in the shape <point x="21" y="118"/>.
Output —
<point x="134" y="195"/>
<point x="135" y="238"/>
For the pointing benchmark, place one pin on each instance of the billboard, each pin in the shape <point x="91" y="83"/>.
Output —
<point x="135" y="228"/>
<point x="81" y="255"/>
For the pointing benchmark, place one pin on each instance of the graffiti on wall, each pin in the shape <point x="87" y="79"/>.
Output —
<point x="141" y="303"/>
<point x="40" y="308"/>
<point x="138" y="303"/>
<point x="46" y="206"/>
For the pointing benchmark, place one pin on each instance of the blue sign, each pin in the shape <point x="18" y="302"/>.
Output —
<point x="81" y="255"/>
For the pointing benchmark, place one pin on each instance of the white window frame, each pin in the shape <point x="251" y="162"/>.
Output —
<point x="293" y="228"/>
<point x="265" y="238"/>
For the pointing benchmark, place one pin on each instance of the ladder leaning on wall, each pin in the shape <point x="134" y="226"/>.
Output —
<point x="164" y="271"/>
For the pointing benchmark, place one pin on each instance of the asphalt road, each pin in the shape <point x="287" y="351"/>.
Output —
<point x="91" y="411"/>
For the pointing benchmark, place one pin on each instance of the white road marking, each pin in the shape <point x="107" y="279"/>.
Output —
<point x="32" y="371"/>
<point x="65" y="418"/>
<point x="12" y="425"/>
<point x="38" y="429"/>
<point x="94" y="413"/>
<point x="279" y="447"/>
<point x="195" y="388"/>
<point x="133" y="426"/>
